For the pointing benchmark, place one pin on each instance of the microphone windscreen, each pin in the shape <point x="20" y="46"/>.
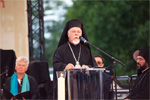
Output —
<point x="83" y="39"/>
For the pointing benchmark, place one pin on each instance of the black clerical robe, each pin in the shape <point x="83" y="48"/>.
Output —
<point x="141" y="87"/>
<point x="33" y="88"/>
<point x="64" y="56"/>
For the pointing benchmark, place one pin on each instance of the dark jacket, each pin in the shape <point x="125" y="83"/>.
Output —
<point x="141" y="87"/>
<point x="33" y="88"/>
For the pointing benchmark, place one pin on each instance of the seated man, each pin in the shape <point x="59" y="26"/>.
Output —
<point x="140" y="90"/>
<point x="20" y="82"/>
<point x="107" y="79"/>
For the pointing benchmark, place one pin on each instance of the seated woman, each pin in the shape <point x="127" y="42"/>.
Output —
<point x="20" y="82"/>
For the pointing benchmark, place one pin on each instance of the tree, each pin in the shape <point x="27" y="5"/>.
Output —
<point x="53" y="26"/>
<point x="117" y="27"/>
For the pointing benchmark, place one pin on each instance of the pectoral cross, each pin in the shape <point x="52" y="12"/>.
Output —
<point x="77" y="65"/>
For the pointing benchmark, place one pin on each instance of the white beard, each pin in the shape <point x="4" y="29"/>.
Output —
<point x="75" y="42"/>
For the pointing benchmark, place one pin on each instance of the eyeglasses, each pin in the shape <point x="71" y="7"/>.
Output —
<point x="99" y="62"/>
<point x="140" y="59"/>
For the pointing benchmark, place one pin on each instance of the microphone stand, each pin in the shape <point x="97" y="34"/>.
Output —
<point x="2" y="74"/>
<point x="114" y="63"/>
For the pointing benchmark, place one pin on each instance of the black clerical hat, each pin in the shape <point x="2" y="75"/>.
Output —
<point x="74" y="23"/>
<point x="142" y="52"/>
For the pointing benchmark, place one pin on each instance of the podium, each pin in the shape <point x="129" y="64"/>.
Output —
<point x="85" y="84"/>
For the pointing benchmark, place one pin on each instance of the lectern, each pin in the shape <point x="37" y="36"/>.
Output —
<point x="85" y="84"/>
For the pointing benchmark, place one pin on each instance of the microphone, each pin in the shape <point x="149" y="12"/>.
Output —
<point x="7" y="68"/>
<point x="83" y="39"/>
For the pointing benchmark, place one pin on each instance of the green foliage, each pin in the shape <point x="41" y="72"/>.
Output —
<point x="116" y="27"/>
<point x="52" y="42"/>
<point x="54" y="29"/>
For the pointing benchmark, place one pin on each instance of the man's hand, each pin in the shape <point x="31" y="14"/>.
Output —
<point x="23" y="98"/>
<point x="69" y="66"/>
<point x="126" y="99"/>
<point x="13" y="98"/>
<point x="85" y="66"/>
